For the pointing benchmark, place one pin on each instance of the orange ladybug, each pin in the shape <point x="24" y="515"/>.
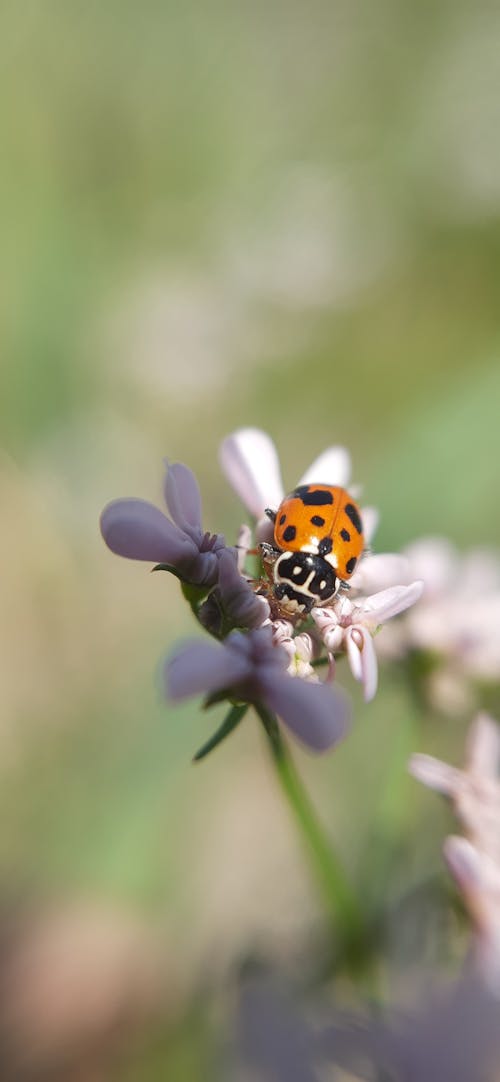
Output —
<point x="318" y="535"/>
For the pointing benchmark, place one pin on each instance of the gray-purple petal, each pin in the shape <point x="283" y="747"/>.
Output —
<point x="182" y="496"/>
<point x="241" y="605"/>
<point x="203" y="667"/>
<point x="140" y="531"/>
<point x="317" y="714"/>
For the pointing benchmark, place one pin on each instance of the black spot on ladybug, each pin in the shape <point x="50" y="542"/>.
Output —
<point x="282" y="519"/>
<point x="345" y="535"/>
<point x="325" y="546"/>
<point x="289" y="533"/>
<point x="322" y="584"/>
<point x="313" y="498"/>
<point x="317" y="520"/>
<point x="350" y="565"/>
<point x="353" y="514"/>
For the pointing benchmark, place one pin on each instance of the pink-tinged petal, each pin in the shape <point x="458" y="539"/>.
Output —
<point x="382" y="606"/>
<point x="264" y="530"/>
<point x="379" y="572"/>
<point x="182" y="496"/>
<point x="317" y="714"/>
<point x="483" y="747"/>
<point x="465" y="862"/>
<point x="478" y="877"/>
<point x="436" y="775"/>
<point x="243" y="544"/>
<point x="250" y="462"/>
<point x="370" y="518"/>
<point x="332" y="467"/>
<point x="362" y="659"/>
<point x="354" y="656"/>
<point x="140" y="531"/>
<point x="203" y="667"/>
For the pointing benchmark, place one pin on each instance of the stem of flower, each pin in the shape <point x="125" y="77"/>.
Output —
<point x="340" y="899"/>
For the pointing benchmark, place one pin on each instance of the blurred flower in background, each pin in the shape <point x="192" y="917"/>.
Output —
<point x="474" y="861"/>
<point x="456" y="626"/>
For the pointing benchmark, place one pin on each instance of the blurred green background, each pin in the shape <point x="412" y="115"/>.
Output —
<point x="281" y="215"/>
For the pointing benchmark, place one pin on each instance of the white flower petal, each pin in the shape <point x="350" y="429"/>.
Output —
<point x="243" y="544"/>
<point x="332" y="467"/>
<point x="362" y="659"/>
<point x="354" y="656"/>
<point x="381" y="571"/>
<point x="382" y="606"/>
<point x="369" y="518"/>
<point x="435" y="774"/>
<point x="264" y="530"/>
<point x="250" y="462"/>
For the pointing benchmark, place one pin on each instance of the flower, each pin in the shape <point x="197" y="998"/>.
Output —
<point x="138" y="530"/>
<point x="457" y="622"/>
<point x="474" y="861"/>
<point x="474" y="791"/>
<point x="251" y="668"/>
<point x="351" y="625"/>
<point x="250" y="461"/>
<point x="232" y="603"/>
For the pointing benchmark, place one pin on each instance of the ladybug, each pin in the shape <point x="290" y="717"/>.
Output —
<point x="318" y="536"/>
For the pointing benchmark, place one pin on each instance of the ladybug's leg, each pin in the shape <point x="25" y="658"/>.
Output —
<point x="270" y="514"/>
<point x="267" y="551"/>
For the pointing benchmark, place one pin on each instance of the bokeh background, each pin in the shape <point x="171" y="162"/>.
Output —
<point x="282" y="215"/>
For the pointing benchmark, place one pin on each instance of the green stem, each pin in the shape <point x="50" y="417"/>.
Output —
<point x="338" y="895"/>
<point x="232" y="719"/>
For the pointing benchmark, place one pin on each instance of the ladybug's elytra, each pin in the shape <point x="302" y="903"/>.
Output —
<point x="318" y="533"/>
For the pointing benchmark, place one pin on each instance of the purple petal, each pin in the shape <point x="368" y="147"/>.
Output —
<point x="249" y="460"/>
<point x="203" y="667"/>
<point x="241" y="604"/>
<point x="332" y="467"/>
<point x="315" y="713"/>
<point x="182" y="496"/>
<point x="140" y="531"/>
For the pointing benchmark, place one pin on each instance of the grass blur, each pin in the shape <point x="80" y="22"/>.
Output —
<point x="285" y="216"/>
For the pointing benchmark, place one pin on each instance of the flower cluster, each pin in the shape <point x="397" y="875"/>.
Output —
<point x="348" y="624"/>
<point x="474" y="860"/>
<point x="259" y="656"/>
<point x="455" y="627"/>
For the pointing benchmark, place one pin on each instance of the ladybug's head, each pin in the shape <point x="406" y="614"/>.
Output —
<point x="302" y="580"/>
